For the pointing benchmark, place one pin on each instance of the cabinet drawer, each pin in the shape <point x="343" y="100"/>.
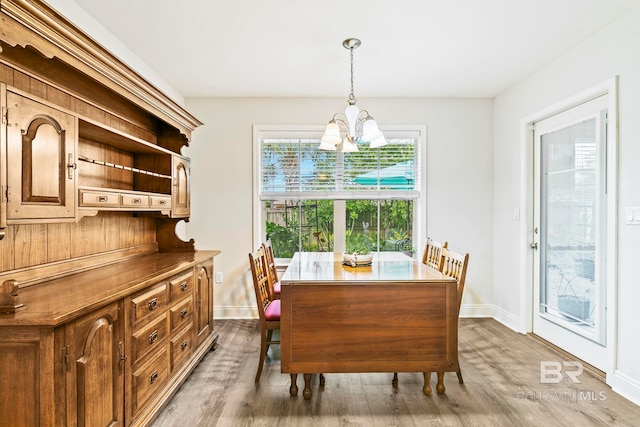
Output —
<point x="147" y="380"/>
<point x="181" y="314"/>
<point x="181" y="347"/>
<point x="99" y="198"/>
<point x="148" y="302"/>
<point x="134" y="201"/>
<point x="149" y="338"/>
<point x="181" y="286"/>
<point x="160" y="202"/>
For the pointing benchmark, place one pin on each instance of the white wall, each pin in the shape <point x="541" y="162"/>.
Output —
<point x="613" y="51"/>
<point x="460" y="195"/>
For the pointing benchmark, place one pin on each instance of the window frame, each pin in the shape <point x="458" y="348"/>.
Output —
<point x="315" y="131"/>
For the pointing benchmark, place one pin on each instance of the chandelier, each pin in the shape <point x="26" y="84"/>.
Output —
<point x="356" y="125"/>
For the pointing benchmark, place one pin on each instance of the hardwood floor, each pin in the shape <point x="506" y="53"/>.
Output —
<point x="501" y="387"/>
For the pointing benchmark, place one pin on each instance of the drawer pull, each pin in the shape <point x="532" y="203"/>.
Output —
<point x="163" y="202"/>
<point x="102" y="199"/>
<point x="153" y="336"/>
<point x="184" y="286"/>
<point x="183" y="346"/>
<point x="153" y="303"/>
<point x="183" y="313"/>
<point x="153" y="377"/>
<point x="137" y="201"/>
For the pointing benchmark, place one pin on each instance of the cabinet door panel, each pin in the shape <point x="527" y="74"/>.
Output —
<point x="41" y="152"/>
<point x="97" y="342"/>
<point x="180" y="194"/>
<point x="204" y="300"/>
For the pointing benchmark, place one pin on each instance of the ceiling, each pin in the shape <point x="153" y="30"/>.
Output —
<point x="293" y="48"/>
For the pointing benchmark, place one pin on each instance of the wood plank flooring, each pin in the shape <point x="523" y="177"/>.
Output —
<point x="501" y="370"/>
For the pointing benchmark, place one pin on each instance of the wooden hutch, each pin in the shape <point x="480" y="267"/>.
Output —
<point x="104" y="311"/>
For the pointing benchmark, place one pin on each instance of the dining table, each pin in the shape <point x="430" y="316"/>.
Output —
<point x="392" y="314"/>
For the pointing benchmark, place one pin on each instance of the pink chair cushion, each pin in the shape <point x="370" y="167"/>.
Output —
<point x="272" y="312"/>
<point x="276" y="288"/>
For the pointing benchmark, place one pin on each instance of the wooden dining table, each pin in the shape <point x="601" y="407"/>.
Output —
<point x="394" y="315"/>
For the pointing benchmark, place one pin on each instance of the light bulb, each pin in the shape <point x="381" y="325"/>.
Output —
<point x="348" y="146"/>
<point x="370" y="130"/>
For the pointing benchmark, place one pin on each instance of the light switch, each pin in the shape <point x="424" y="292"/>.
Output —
<point x="632" y="215"/>
<point x="219" y="277"/>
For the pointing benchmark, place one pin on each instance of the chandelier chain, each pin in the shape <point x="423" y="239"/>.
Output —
<point x="352" y="98"/>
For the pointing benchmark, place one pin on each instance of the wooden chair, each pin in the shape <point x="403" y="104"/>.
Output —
<point x="274" y="282"/>
<point x="454" y="265"/>
<point x="268" y="308"/>
<point x="432" y="255"/>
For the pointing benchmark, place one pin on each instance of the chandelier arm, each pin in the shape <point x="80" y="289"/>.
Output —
<point x="341" y="119"/>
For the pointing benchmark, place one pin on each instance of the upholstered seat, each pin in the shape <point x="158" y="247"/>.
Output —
<point x="272" y="311"/>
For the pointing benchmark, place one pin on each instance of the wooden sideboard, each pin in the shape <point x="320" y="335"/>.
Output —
<point x="104" y="310"/>
<point x="109" y="345"/>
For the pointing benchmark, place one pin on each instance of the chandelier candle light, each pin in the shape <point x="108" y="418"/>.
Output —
<point x="356" y="125"/>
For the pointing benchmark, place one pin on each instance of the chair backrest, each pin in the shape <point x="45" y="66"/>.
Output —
<point x="454" y="265"/>
<point x="432" y="255"/>
<point x="260" y="275"/>
<point x="271" y="264"/>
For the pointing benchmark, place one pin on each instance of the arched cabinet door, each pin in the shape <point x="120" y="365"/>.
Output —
<point x="41" y="153"/>
<point x="204" y="299"/>
<point x="180" y="194"/>
<point x="97" y="349"/>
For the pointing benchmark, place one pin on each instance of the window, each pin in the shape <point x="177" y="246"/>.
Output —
<point x="313" y="200"/>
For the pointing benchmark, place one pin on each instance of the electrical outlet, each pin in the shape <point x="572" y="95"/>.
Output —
<point x="219" y="277"/>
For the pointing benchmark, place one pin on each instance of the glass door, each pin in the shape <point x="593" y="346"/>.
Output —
<point x="569" y="225"/>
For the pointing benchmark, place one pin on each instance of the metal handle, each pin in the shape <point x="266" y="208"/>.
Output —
<point x="183" y="313"/>
<point x="102" y="199"/>
<point x="183" y="346"/>
<point x="184" y="286"/>
<point x="163" y="202"/>
<point x="153" y="336"/>
<point x="71" y="166"/>
<point x="137" y="201"/>
<point x="152" y="304"/>
<point x="153" y="377"/>
<point x="534" y="245"/>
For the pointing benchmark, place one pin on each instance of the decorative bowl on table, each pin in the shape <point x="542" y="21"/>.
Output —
<point x="357" y="260"/>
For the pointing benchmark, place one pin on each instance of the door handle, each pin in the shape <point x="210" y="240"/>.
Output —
<point x="534" y="245"/>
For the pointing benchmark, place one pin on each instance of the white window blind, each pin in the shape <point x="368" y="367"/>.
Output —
<point x="295" y="168"/>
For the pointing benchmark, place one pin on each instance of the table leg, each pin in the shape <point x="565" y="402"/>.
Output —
<point x="394" y="381"/>
<point x="440" y="385"/>
<point x="322" y="380"/>
<point x="293" y="390"/>
<point x="427" y="384"/>
<point x="306" y="393"/>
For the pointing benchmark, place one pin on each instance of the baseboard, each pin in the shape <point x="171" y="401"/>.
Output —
<point x="235" y="312"/>
<point x="507" y="319"/>
<point x="625" y="386"/>
<point x="476" y="310"/>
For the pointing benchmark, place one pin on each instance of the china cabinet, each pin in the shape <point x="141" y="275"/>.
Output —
<point x="104" y="310"/>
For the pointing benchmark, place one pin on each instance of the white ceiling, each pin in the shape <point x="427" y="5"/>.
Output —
<point x="410" y="48"/>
